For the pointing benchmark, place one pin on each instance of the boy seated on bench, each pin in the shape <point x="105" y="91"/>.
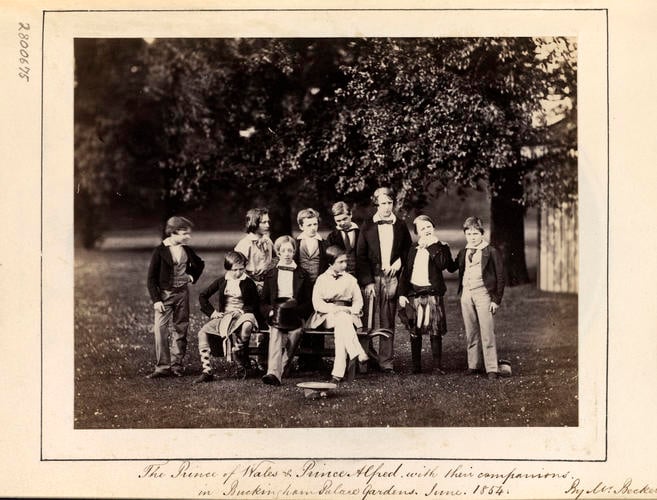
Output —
<point x="286" y="303"/>
<point x="338" y="304"/>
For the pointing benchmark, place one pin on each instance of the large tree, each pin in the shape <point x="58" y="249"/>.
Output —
<point x="307" y="121"/>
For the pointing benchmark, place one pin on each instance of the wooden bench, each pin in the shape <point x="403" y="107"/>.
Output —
<point x="259" y="337"/>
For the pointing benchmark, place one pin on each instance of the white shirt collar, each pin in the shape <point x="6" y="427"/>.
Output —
<point x="481" y="245"/>
<point x="304" y="237"/>
<point x="292" y="264"/>
<point x="168" y="243"/>
<point x="430" y="240"/>
<point x="377" y="217"/>
<point x="256" y="237"/>
<point x="243" y="277"/>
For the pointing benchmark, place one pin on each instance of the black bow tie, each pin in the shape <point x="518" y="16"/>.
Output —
<point x="384" y="221"/>
<point x="349" y="230"/>
<point x="336" y="275"/>
<point x="285" y="268"/>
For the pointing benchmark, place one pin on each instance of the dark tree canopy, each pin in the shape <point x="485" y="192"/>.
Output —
<point x="335" y="118"/>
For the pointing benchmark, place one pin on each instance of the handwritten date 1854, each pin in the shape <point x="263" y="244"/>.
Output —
<point x="24" y="59"/>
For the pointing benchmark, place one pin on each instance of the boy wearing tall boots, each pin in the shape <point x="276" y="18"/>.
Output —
<point x="421" y="291"/>
<point x="381" y="252"/>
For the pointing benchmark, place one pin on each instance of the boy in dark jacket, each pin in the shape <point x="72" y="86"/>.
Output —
<point x="481" y="286"/>
<point x="421" y="291"/>
<point x="173" y="266"/>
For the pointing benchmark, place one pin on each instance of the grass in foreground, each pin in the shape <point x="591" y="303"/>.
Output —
<point x="114" y="350"/>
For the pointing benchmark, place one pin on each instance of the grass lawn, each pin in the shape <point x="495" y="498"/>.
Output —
<point x="114" y="350"/>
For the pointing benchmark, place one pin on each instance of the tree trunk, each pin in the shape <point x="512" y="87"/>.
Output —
<point x="508" y="224"/>
<point x="280" y="213"/>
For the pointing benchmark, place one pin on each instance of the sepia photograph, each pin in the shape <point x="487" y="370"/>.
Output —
<point x="296" y="250"/>
<point x="400" y="215"/>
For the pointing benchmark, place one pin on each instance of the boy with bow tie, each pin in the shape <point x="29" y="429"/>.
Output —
<point x="381" y="251"/>
<point x="345" y="234"/>
<point x="338" y="304"/>
<point x="481" y="286"/>
<point x="286" y="281"/>
<point x="311" y="257"/>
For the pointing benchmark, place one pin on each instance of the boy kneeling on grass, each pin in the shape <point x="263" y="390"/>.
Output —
<point x="338" y="304"/>
<point x="235" y="316"/>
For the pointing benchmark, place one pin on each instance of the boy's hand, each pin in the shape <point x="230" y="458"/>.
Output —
<point x="493" y="307"/>
<point x="403" y="301"/>
<point x="159" y="307"/>
<point x="370" y="290"/>
<point x="215" y="315"/>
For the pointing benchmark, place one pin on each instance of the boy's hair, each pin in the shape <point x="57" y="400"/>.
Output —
<point x="383" y="191"/>
<point x="233" y="258"/>
<point x="307" y="213"/>
<point x="253" y="218"/>
<point x="340" y="208"/>
<point x="333" y="252"/>
<point x="281" y="240"/>
<point x="473" y="223"/>
<point x="177" y="223"/>
<point x="421" y="218"/>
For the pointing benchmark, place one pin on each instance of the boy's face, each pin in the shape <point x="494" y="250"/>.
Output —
<point x="424" y="228"/>
<point x="343" y="221"/>
<point x="286" y="253"/>
<point x="181" y="236"/>
<point x="473" y="237"/>
<point x="340" y="264"/>
<point x="309" y="226"/>
<point x="263" y="227"/>
<point x="384" y="206"/>
<point x="236" y="271"/>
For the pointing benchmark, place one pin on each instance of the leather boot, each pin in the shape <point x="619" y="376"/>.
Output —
<point x="416" y="350"/>
<point x="437" y="353"/>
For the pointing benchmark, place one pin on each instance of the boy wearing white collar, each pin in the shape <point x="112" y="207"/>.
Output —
<point x="173" y="266"/>
<point x="311" y="257"/>
<point x="421" y="291"/>
<point x="256" y="246"/>
<point x="481" y="286"/>
<point x="238" y="312"/>
<point x="345" y="234"/>
<point x="382" y="248"/>
<point x="338" y="304"/>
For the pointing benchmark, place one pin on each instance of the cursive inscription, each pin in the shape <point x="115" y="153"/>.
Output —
<point x="602" y="488"/>
<point x="381" y="479"/>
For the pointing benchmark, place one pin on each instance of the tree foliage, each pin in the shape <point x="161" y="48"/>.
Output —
<point x="319" y="119"/>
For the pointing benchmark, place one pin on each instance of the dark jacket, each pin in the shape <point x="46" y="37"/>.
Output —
<point x="335" y="238"/>
<point x="249" y="296"/>
<point x="160" y="270"/>
<point x="301" y="290"/>
<point x="368" y="250"/>
<point x="323" y="261"/>
<point x="440" y="258"/>
<point x="492" y="271"/>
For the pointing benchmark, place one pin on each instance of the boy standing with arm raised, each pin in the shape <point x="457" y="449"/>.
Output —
<point x="382" y="249"/>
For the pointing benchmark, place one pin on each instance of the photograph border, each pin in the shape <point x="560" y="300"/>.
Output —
<point x="607" y="235"/>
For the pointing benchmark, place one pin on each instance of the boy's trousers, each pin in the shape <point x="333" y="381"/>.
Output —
<point x="282" y="345"/>
<point x="346" y="343"/>
<point x="385" y="309"/>
<point x="176" y="311"/>
<point x="479" y="329"/>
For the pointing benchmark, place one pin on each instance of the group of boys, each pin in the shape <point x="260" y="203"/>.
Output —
<point x="376" y="255"/>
